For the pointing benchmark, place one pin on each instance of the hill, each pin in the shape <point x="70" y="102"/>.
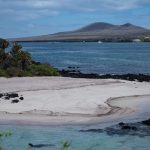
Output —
<point x="95" y="32"/>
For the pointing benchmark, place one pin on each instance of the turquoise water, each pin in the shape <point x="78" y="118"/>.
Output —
<point x="94" y="57"/>
<point x="22" y="135"/>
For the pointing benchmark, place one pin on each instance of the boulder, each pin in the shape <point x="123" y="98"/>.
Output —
<point x="15" y="101"/>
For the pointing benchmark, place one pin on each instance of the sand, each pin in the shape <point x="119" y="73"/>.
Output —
<point x="50" y="100"/>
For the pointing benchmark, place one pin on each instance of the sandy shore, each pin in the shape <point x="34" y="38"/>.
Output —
<point x="69" y="100"/>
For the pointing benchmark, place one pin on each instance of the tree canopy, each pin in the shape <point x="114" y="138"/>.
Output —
<point x="17" y="62"/>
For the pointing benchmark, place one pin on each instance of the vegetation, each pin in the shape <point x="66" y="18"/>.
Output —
<point x="66" y="145"/>
<point x="18" y="63"/>
<point x="2" y="135"/>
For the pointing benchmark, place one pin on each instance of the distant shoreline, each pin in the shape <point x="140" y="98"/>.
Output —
<point x="74" y="41"/>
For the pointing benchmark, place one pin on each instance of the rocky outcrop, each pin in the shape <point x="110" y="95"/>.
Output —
<point x="13" y="97"/>
<point x="75" y="73"/>
<point x="140" y="129"/>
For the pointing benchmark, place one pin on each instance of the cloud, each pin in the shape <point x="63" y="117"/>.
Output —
<point x="32" y="9"/>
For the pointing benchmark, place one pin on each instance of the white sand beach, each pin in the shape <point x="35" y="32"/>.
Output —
<point x="70" y="100"/>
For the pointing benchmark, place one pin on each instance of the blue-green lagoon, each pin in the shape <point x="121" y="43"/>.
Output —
<point x="22" y="135"/>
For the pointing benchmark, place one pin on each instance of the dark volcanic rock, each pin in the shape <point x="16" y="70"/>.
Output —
<point x="134" y="128"/>
<point x="93" y="130"/>
<point x="126" y="127"/>
<point x="6" y="97"/>
<point x="146" y="122"/>
<point x="140" y="129"/>
<point x="15" y="101"/>
<point x="21" y="98"/>
<point x="40" y="145"/>
<point x="130" y="77"/>
<point x="1" y="95"/>
<point x="121" y="123"/>
<point x="12" y="95"/>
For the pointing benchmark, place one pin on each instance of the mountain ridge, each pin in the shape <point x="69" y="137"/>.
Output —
<point x="94" y="32"/>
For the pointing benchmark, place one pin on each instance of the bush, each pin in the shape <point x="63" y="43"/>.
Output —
<point x="33" y="70"/>
<point x="43" y="70"/>
<point x="14" y="72"/>
<point x="3" y="73"/>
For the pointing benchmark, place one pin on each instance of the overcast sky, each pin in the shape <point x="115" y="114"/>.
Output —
<point x="19" y="18"/>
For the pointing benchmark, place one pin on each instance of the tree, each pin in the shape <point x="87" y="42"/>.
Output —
<point x="3" y="44"/>
<point x="20" y="58"/>
<point x="3" y="56"/>
<point x="19" y="63"/>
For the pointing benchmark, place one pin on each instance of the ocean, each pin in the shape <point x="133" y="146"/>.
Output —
<point x="101" y="58"/>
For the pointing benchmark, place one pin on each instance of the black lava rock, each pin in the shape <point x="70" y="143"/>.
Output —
<point x="131" y="77"/>
<point x="6" y="97"/>
<point x="146" y="122"/>
<point x="140" y="129"/>
<point x="92" y="130"/>
<point x="1" y="95"/>
<point x="15" y="101"/>
<point x="134" y="128"/>
<point x="40" y="145"/>
<point x="21" y="98"/>
<point x="121" y="124"/>
<point x="12" y="95"/>
<point x="126" y="127"/>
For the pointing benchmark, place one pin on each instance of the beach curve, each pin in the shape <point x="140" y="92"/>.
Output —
<point x="68" y="100"/>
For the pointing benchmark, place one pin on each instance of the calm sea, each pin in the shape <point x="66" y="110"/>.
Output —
<point x="102" y="58"/>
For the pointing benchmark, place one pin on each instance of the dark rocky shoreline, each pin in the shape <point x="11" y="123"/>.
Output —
<point x="74" y="72"/>
<point x="140" y="129"/>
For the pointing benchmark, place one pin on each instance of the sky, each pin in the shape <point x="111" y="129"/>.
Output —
<point x="21" y="18"/>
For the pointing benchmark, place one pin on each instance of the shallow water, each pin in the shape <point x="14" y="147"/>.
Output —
<point x="22" y="135"/>
<point x="94" y="57"/>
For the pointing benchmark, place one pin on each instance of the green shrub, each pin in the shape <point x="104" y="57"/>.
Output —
<point x="66" y="145"/>
<point x="33" y="70"/>
<point x="43" y="70"/>
<point x="14" y="72"/>
<point x="3" y="73"/>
